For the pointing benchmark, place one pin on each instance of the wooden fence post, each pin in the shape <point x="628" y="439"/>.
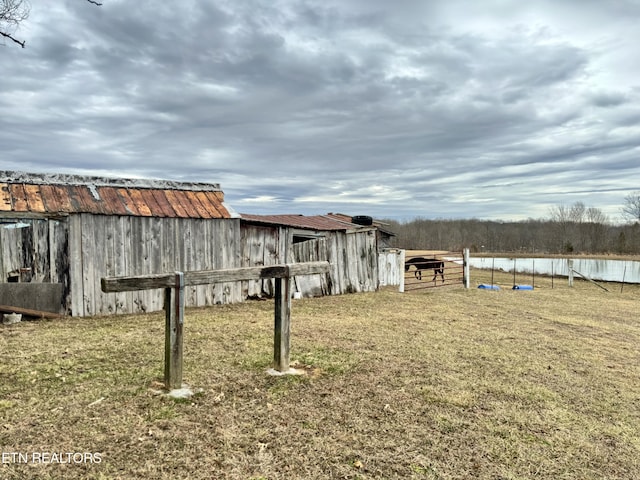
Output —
<point x="570" y="268"/>
<point x="466" y="273"/>
<point x="401" y="260"/>
<point x="174" y="304"/>
<point x="174" y="321"/>
<point x="282" y="324"/>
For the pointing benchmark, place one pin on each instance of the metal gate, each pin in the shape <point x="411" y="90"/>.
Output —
<point x="424" y="269"/>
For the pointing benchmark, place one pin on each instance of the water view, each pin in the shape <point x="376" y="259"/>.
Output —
<point x="596" y="269"/>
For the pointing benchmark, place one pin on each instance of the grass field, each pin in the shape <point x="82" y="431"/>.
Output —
<point x="441" y="384"/>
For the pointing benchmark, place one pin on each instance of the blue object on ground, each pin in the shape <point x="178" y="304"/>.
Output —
<point x="484" y="286"/>
<point x="523" y="287"/>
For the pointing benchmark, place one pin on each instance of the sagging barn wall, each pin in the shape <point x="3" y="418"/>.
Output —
<point x="353" y="256"/>
<point x="105" y="246"/>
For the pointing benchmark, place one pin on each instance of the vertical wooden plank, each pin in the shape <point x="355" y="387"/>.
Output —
<point x="339" y="259"/>
<point x="189" y="257"/>
<point x="12" y="258"/>
<point x="174" y="322"/>
<point x="570" y="269"/>
<point x="245" y="255"/>
<point x="210" y="247"/>
<point x="76" y="284"/>
<point x="282" y="324"/>
<point x="401" y="261"/>
<point x="52" y="246"/>
<point x="219" y="245"/>
<point x="126" y="260"/>
<point x="136" y="264"/>
<point x="203" y="243"/>
<point x="88" y="251"/>
<point x="232" y="292"/>
<point x="118" y="259"/>
<point x="156" y="250"/>
<point x="3" y="272"/>
<point x="60" y="260"/>
<point x="354" y="261"/>
<point x="465" y="268"/>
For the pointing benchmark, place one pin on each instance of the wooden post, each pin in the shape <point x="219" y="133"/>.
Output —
<point x="570" y="267"/>
<point x="401" y="260"/>
<point x="282" y="324"/>
<point x="174" y="303"/>
<point x="465" y="268"/>
<point x="174" y="315"/>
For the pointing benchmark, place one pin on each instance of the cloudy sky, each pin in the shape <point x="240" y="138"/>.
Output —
<point x="493" y="109"/>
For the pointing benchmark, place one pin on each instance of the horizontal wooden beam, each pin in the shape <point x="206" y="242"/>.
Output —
<point x="29" y="312"/>
<point x="167" y="280"/>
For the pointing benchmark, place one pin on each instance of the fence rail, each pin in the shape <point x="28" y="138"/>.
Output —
<point x="425" y="271"/>
<point x="174" y="304"/>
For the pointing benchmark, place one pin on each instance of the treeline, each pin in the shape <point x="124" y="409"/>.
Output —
<point x="558" y="234"/>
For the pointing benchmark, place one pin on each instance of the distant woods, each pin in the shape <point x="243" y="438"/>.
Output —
<point x="574" y="229"/>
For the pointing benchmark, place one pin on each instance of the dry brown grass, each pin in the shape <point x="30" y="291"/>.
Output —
<point x="441" y="384"/>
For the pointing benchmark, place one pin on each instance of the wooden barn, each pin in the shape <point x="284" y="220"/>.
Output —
<point x="350" y="248"/>
<point x="60" y="234"/>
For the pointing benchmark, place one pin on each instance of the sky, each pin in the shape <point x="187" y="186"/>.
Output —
<point x="498" y="110"/>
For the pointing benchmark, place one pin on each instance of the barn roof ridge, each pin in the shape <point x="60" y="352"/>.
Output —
<point x="89" y="180"/>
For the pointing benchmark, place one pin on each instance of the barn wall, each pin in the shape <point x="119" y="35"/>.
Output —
<point x="311" y="251"/>
<point x="38" y="248"/>
<point x="354" y="263"/>
<point x="261" y="246"/>
<point x="126" y="245"/>
<point x="353" y="257"/>
<point x="391" y="266"/>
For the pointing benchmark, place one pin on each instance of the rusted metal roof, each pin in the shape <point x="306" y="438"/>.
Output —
<point x="36" y="194"/>
<point x="308" y="222"/>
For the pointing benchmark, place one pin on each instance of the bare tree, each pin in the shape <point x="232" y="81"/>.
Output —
<point x="13" y="13"/>
<point x="631" y="208"/>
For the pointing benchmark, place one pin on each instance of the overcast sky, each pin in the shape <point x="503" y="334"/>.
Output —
<point x="493" y="109"/>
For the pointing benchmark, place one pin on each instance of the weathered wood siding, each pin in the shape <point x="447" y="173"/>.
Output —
<point x="261" y="246"/>
<point x="354" y="263"/>
<point x="39" y="248"/>
<point x="311" y="251"/>
<point x="108" y="246"/>
<point x="391" y="266"/>
<point x="353" y="256"/>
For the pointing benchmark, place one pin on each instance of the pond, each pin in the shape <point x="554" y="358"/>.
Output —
<point x="596" y="269"/>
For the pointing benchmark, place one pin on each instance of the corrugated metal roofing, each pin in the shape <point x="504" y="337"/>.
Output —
<point x="309" y="222"/>
<point x="66" y="194"/>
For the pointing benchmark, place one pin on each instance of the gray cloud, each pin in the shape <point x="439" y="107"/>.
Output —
<point x="442" y="109"/>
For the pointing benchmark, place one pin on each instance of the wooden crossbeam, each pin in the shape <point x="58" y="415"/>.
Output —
<point x="174" y="305"/>
<point x="205" y="277"/>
